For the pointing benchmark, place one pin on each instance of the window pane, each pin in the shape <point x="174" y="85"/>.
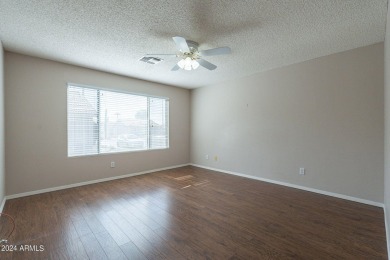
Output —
<point x="101" y="121"/>
<point x="123" y="122"/>
<point x="82" y="121"/>
<point x="158" y="123"/>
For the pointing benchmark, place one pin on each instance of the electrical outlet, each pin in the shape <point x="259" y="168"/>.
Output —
<point x="215" y="158"/>
<point x="302" y="171"/>
<point x="112" y="164"/>
<point x="207" y="156"/>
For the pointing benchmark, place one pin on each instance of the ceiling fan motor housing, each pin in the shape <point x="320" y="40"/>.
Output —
<point x="194" y="53"/>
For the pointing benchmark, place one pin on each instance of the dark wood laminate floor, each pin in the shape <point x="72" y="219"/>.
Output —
<point x="192" y="213"/>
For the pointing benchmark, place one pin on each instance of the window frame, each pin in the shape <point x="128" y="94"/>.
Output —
<point x="120" y="91"/>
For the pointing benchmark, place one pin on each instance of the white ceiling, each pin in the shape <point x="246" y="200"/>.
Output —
<point x="263" y="34"/>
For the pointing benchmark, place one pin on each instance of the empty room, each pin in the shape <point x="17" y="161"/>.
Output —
<point x="179" y="129"/>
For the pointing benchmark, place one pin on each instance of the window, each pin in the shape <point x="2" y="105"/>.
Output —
<point x="101" y="121"/>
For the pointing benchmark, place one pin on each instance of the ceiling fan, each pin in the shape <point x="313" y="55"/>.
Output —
<point x="191" y="57"/>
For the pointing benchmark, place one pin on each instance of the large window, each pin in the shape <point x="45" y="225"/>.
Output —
<point x="101" y="121"/>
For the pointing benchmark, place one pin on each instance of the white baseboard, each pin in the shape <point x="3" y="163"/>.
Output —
<point x="340" y="196"/>
<point x="24" y="194"/>
<point x="2" y="204"/>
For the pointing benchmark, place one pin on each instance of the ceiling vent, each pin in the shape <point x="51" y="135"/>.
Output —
<point x="151" y="60"/>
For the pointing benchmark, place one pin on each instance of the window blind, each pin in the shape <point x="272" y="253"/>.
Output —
<point x="158" y="123"/>
<point x="102" y="121"/>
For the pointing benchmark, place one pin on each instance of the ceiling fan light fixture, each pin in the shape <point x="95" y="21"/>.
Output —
<point x="188" y="67"/>
<point x="188" y="64"/>
<point x="181" y="63"/>
<point x="195" y="64"/>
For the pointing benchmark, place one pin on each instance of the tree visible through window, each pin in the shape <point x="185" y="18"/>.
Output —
<point x="101" y="121"/>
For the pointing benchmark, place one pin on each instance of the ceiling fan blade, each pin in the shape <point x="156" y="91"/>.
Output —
<point x="175" y="68"/>
<point x="216" y="51"/>
<point x="181" y="44"/>
<point x="206" y="64"/>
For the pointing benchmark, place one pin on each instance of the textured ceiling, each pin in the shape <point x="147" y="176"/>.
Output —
<point x="113" y="35"/>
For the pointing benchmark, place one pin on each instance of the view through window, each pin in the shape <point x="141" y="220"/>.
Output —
<point x="102" y="121"/>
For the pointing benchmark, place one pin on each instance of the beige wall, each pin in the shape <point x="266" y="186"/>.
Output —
<point x="387" y="129"/>
<point x="2" y="167"/>
<point x="324" y="114"/>
<point x="36" y="137"/>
